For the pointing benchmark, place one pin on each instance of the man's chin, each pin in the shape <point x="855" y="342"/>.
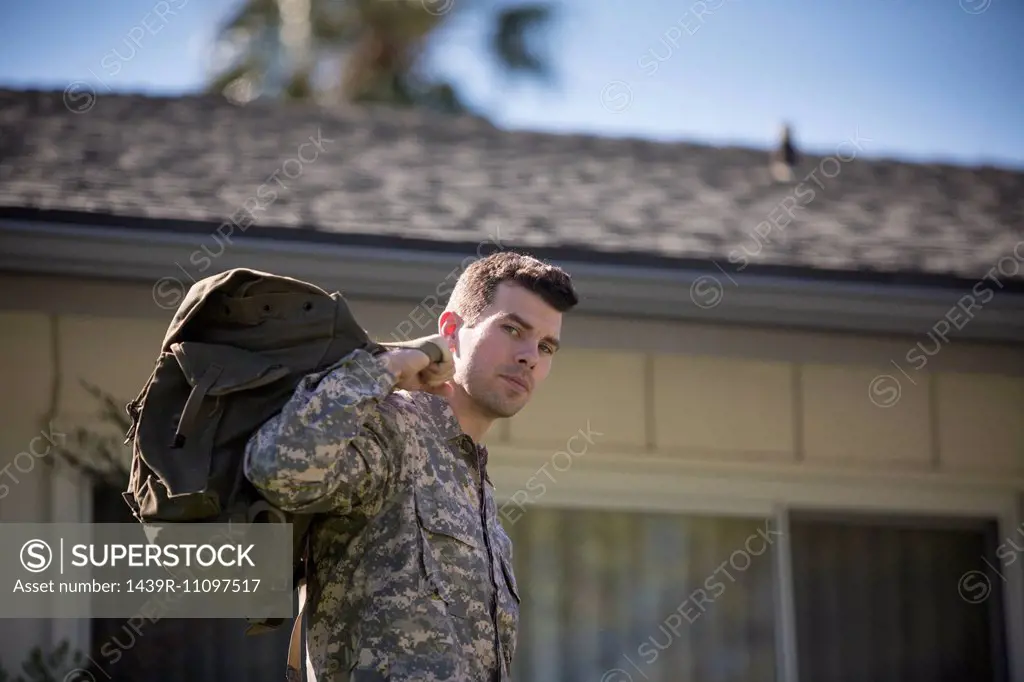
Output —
<point x="512" y="411"/>
<point x="506" y="410"/>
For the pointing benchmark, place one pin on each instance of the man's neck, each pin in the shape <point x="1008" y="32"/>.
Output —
<point x="470" y="421"/>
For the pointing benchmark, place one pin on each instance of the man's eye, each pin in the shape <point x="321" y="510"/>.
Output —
<point x="511" y="329"/>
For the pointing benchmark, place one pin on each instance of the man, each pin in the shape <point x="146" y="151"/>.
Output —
<point x="412" y="571"/>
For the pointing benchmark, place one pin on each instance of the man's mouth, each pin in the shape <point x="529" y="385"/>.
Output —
<point x="519" y="383"/>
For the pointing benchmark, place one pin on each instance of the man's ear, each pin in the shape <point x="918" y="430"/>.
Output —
<point x="448" y="326"/>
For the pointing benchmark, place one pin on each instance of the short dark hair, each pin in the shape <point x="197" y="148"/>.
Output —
<point x="476" y="287"/>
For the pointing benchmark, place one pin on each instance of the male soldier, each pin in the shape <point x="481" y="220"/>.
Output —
<point x="412" y="571"/>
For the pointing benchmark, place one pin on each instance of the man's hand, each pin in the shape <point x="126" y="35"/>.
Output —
<point x="416" y="371"/>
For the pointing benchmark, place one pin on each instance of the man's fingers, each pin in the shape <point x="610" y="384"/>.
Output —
<point x="431" y="382"/>
<point x="437" y="375"/>
<point x="444" y="389"/>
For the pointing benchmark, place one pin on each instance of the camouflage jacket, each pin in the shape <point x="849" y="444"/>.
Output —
<point x="413" y="570"/>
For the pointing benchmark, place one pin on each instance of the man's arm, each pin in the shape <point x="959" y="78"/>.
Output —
<point x="329" y="450"/>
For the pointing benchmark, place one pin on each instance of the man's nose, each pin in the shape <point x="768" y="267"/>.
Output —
<point x="529" y="356"/>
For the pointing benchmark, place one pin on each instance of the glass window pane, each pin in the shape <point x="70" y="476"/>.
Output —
<point x="614" y="596"/>
<point x="892" y="600"/>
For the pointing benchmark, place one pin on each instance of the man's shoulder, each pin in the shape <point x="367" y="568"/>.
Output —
<point x="424" y="424"/>
<point x="417" y="424"/>
<point x="419" y="410"/>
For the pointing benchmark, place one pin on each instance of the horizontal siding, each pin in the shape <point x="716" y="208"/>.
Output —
<point x="703" y="408"/>
<point x="980" y="422"/>
<point x="851" y="417"/>
<point x="699" y="408"/>
<point x="607" y="391"/>
<point x="708" y="404"/>
<point x="827" y="416"/>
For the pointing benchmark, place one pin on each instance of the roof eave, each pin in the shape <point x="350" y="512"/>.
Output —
<point x="171" y="260"/>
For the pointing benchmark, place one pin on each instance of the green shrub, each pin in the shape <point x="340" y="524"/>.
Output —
<point x="52" y="667"/>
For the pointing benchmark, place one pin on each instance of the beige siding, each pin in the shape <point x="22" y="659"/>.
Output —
<point x="980" y="422"/>
<point x="32" y="493"/>
<point x="116" y="354"/>
<point x="605" y="390"/>
<point x="673" y="405"/>
<point x="717" y="405"/>
<point x="823" y="417"/>
<point x="27" y="369"/>
<point x="843" y="425"/>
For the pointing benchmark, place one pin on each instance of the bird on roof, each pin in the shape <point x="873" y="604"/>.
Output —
<point x="784" y="157"/>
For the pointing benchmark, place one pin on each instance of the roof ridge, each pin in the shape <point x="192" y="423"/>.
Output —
<point x="470" y="123"/>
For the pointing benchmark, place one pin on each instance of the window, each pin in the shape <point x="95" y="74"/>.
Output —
<point x="615" y="596"/>
<point x="891" y="600"/>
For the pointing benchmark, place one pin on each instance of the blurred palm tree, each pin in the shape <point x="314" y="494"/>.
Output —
<point x="362" y="50"/>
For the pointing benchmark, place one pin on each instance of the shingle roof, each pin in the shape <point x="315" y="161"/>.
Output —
<point x="381" y="172"/>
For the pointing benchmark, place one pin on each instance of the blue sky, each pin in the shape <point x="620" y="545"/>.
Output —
<point x="921" y="79"/>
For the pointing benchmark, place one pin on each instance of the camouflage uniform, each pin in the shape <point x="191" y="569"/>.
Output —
<point x="412" y="566"/>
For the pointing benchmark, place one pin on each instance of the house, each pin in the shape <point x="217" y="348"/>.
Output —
<point x="785" y="439"/>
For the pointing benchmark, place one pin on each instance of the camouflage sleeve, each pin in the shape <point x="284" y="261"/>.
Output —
<point x="329" y="450"/>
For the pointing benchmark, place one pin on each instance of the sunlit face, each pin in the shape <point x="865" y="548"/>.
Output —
<point x="506" y="355"/>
